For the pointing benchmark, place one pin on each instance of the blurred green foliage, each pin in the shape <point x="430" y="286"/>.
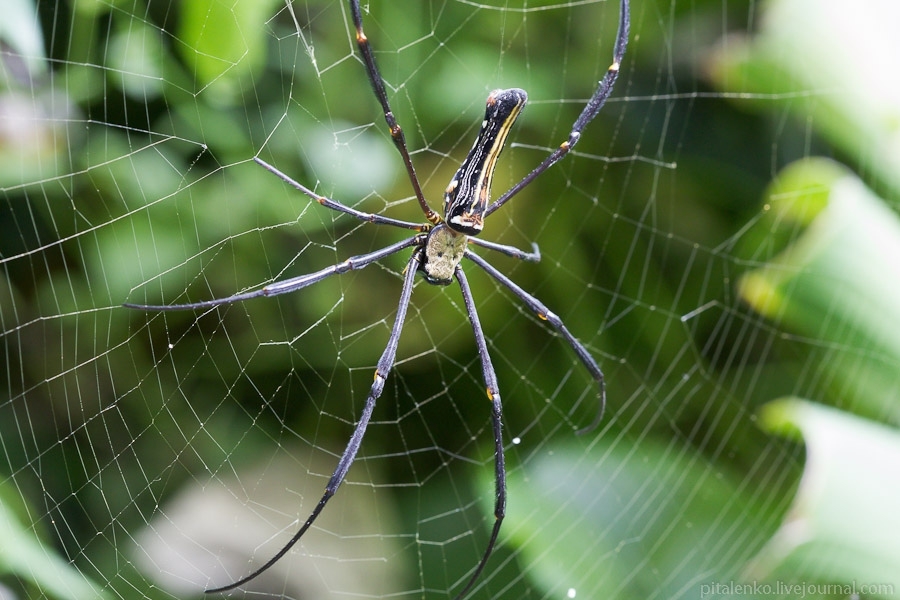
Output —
<point x="131" y="180"/>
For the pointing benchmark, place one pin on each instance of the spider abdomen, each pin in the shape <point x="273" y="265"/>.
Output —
<point x="467" y="196"/>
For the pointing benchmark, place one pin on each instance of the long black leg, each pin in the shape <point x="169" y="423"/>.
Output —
<point x="604" y="89"/>
<point x="338" y="206"/>
<point x="294" y="283"/>
<point x="385" y="363"/>
<point x="545" y="314"/>
<point x="533" y="256"/>
<point x="396" y="133"/>
<point x="493" y="394"/>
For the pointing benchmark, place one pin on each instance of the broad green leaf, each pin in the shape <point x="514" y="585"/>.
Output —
<point x="844" y="525"/>
<point x="23" y="555"/>
<point x="831" y="63"/>
<point x="624" y="519"/>
<point x="838" y="282"/>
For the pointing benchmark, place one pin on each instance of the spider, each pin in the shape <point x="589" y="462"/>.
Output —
<point x="439" y="246"/>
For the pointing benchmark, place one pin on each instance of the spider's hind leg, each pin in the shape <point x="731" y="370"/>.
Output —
<point x="493" y="394"/>
<point x="384" y="366"/>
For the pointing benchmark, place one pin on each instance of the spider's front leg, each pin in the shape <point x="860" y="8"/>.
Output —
<point x="601" y="95"/>
<point x="365" y="50"/>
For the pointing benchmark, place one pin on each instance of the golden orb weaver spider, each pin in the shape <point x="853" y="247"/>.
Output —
<point x="439" y="247"/>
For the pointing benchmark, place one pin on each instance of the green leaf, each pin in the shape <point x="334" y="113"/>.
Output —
<point x="224" y="42"/>
<point x="837" y="283"/>
<point x="23" y="555"/>
<point x="833" y="64"/>
<point x="136" y="56"/>
<point x="625" y="519"/>
<point x="844" y="525"/>
<point x="20" y="31"/>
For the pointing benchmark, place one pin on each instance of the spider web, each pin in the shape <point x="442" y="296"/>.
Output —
<point x="153" y="455"/>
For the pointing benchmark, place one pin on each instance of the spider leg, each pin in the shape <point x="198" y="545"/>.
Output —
<point x="294" y="283"/>
<point x="397" y="136"/>
<point x="545" y="314"/>
<point x="385" y="363"/>
<point x="533" y="256"/>
<point x="338" y="206"/>
<point x="493" y="394"/>
<point x="601" y="94"/>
